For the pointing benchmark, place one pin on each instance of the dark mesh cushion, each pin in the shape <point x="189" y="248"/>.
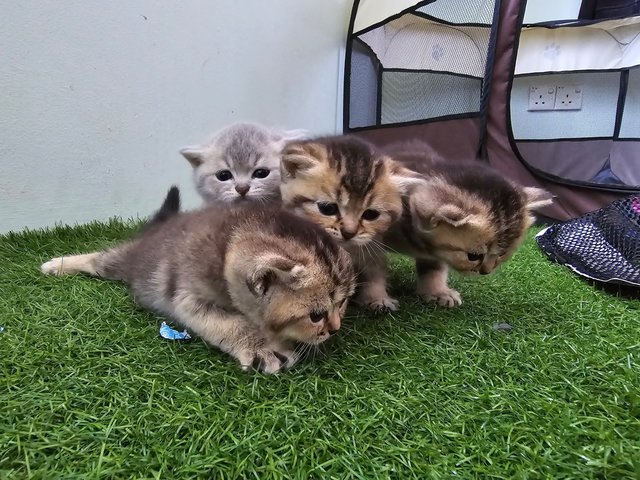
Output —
<point x="603" y="245"/>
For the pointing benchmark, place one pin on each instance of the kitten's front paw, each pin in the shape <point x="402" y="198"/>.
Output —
<point x="287" y="356"/>
<point x="267" y="361"/>
<point x="445" y="297"/>
<point x="53" y="267"/>
<point x="381" y="305"/>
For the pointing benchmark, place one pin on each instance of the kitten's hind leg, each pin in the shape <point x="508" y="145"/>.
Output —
<point x="105" y="264"/>
<point x="232" y="333"/>
<point x="432" y="283"/>
<point x="84" y="263"/>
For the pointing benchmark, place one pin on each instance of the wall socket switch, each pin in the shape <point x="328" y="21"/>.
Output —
<point x="542" y="97"/>
<point x="568" y="97"/>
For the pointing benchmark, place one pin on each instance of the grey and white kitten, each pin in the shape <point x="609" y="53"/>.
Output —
<point x="253" y="282"/>
<point x="240" y="162"/>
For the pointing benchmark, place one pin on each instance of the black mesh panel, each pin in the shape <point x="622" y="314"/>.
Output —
<point x="430" y="62"/>
<point x="410" y="96"/>
<point x="461" y="11"/>
<point x="364" y="87"/>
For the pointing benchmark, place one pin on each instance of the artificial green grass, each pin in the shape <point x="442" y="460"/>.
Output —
<point x="89" y="390"/>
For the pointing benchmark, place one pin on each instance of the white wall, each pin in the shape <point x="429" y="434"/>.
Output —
<point x="97" y="97"/>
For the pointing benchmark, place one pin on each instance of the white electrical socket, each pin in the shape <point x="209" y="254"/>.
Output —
<point x="542" y="97"/>
<point x="568" y="97"/>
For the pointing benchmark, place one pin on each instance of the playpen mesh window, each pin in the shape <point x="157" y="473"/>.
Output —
<point x="426" y="62"/>
<point x="408" y="96"/>
<point x="630" y="126"/>
<point x="596" y="141"/>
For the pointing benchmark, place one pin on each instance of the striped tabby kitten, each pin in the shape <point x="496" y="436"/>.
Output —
<point x="354" y="193"/>
<point x="240" y="162"/>
<point x="467" y="217"/>
<point x="252" y="282"/>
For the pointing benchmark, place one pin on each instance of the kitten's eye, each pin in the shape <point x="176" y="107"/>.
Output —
<point x="318" y="316"/>
<point x="261" y="173"/>
<point x="370" y="214"/>
<point x="327" y="208"/>
<point x="475" y="257"/>
<point x="224" y="175"/>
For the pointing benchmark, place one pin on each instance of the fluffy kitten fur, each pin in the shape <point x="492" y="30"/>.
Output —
<point x="354" y="193"/>
<point x="250" y="281"/>
<point x="466" y="216"/>
<point x="240" y="162"/>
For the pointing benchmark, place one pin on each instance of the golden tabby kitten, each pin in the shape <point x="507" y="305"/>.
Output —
<point x="250" y="281"/>
<point x="466" y="216"/>
<point x="355" y="193"/>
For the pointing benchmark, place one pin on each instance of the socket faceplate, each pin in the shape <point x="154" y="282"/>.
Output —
<point x="542" y="97"/>
<point x="568" y="97"/>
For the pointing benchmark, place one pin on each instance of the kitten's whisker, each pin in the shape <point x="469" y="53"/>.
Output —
<point x="304" y="348"/>
<point x="377" y="248"/>
<point x="384" y="246"/>
<point x="322" y="350"/>
<point x="370" y="250"/>
<point x="314" y="353"/>
<point x="359" y="272"/>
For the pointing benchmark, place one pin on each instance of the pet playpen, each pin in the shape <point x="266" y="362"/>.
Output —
<point x="553" y="104"/>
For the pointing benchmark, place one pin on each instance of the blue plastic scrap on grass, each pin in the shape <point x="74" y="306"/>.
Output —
<point x="170" y="334"/>
<point x="1" y="329"/>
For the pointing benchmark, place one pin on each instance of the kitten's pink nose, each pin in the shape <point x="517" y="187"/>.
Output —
<point x="333" y="322"/>
<point x="347" y="234"/>
<point x="242" y="188"/>
<point x="485" y="270"/>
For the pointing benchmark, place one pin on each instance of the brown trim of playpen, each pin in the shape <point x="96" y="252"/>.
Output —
<point x="558" y="179"/>
<point x="442" y="118"/>
<point x="571" y="149"/>
<point x="622" y="100"/>
<point x="570" y="201"/>
<point x="455" y="139"/>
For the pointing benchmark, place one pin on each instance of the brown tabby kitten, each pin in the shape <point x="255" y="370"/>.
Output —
<point x="467" y="217"/>
<point x="252" y="282"/>
<point x="354" y="193"/>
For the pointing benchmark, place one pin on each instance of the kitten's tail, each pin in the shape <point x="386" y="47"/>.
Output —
<point x="111" y="263"/>
<point x="169" y="208"/>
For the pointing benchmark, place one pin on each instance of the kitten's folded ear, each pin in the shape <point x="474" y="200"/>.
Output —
<point x="194" y="155"/>
<point x="454" y="215"/>
<point x="404" y="179"/>
<point x="271" y="269"/>
<point x="299" y="158"/>
<point x="431" y="206"/>
<point x="537" y="197"/>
